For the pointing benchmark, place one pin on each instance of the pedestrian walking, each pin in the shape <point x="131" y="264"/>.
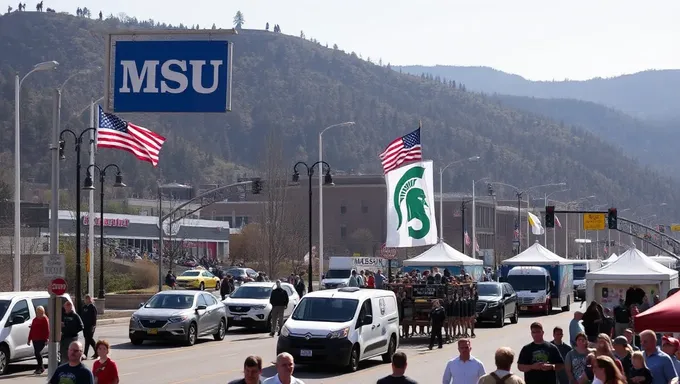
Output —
<point x="89" y="325"/>
<point x="252" y="371"/>
<point x="576" y="361"/>
<point x="279" y="302"/>
<point x="71" y="326"/>
<point x="437" y="319"/>
<point x="226" y="286"/>
<point x="558" y="334"/>
<point x="73" y="371"/>
<point x="353" y="279"/>
<point x="621" y="318"/>
<point x="39" y="335"/>
<point x="539" y="360"/>
<point x="299" y="286"/>
<point x="105" y="370"/>
<point x="285" y="366"/>
<point x="624" y="353"/>
<point x="464" y="369"/>
<point x="575" y="327"/>
<point x="659" y="363"/>
<point x="503" y="358"/>
<point x="398" y="376"/>
<point x="671" y="346"/>
<point x="170" y="280"/>
<point x="379" y="280"/>
<point x="606" y="372"/>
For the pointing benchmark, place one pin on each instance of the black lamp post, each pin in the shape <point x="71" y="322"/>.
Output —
<point x="89" y="185"/>
<point x="62" y="145"/>
<point x="327" y="181"/>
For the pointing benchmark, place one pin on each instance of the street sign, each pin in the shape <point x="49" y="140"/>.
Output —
<point x="169" y="71"/>
<point x="675" y="227"/>
<point x="54" y="266"/>
<point x="388" y="253"/>
<point x="58" y="286"/>
<point x="594" y="221"/>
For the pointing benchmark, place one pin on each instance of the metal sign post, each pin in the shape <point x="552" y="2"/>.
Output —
<point x="54" y="311"/>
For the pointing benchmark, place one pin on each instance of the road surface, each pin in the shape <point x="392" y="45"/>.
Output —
<point x="211" y="361"/>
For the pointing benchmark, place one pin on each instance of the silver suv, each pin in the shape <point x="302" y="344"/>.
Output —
<point x="179" y="315"/>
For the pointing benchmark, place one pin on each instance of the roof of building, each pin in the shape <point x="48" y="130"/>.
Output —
<point x="152" y="220"/>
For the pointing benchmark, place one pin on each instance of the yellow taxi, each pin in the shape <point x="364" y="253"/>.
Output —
<point x="198" y="278"/>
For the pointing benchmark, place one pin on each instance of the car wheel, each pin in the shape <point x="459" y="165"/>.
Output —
<point x="191" y="335"/>
<point x="226" y="327"/>
<point x="221" y="331"/>
<point x="548" y="305"/>
<point x="501" y="320"/>
<point x="515" y="318"/>
<point x="201" y="287"/>
<point x="136" y="341"/>
<point x="391" y="348"/>
<point x="4" y="359"/>
<point x="353" y="364"/>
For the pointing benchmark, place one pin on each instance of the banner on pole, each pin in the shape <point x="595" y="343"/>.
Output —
<point x="410" y="206"/>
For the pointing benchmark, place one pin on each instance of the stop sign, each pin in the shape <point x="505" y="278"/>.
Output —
<point x="58" y="286"/>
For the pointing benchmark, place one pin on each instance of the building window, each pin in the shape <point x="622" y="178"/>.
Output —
<point x="343" y="208"/>
<point x="343" y="231"/>
<point x="364" y="207"/>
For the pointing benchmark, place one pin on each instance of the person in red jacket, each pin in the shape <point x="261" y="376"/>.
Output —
<point x="370" y="282"/>
<point x="39" y="335"/>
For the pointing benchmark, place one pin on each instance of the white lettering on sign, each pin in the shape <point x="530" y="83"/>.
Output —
<point x="174" y="71"/>
<point x="54" y="266"/>
<point x="116" y="223"/>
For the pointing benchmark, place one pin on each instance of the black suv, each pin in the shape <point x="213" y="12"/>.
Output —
<point x="497" y="302"/>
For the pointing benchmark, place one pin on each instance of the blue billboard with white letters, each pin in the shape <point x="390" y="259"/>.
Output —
<point x="181" y="76"/>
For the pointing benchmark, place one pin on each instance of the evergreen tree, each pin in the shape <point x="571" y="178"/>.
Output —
<point x="214" y="26"/>
<point x="302" y="34"/>
<point x="239" y="20"/>
<point x="266" y="27"/>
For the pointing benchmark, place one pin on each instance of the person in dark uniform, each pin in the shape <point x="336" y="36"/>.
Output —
<point x="437" y="319"/>
<point x="472" y="311"/>
<point x="89" y="324"/>
<point x="456" y="313"/>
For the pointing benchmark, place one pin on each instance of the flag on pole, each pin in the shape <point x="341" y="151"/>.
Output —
<point x="476" y="246"/>
<point x="410" y="206"/>
<point x="116" y="133"/>
<point x="535" y="223"/>
<point x="467" y="239"/>
<point x="557" y="221"/>
<point x="404" y="149"/>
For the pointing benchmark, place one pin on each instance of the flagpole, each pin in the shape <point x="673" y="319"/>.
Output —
<point x="90" y="206"/>
<point x="545" y="233"/>
<point x="528" y="229"/>
<point x="566" y="235"/>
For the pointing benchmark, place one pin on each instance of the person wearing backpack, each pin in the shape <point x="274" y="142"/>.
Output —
<point x="504" y="358"/>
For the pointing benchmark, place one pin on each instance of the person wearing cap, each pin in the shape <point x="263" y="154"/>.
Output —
<point x="658" y="362"/>
<point x="671" y="345"/>
<point x="623" y="351"/>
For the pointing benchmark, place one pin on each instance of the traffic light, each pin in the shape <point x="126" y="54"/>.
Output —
<point x="612" y="219"/>
<point x="550" y="216"/>
<point x="256" y="186"/>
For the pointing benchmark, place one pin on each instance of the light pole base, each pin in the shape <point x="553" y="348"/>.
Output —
<point x="100" y="304"/>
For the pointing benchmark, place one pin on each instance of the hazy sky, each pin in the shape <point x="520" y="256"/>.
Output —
<point x="538" y="39"/>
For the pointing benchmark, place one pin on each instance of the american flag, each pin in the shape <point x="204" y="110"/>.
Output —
<point x="467" y="239"/>
<point x="557" y="222"/>
<point x="116" y="133"/>
<point x="401" y="150"/>
<point x="476" y="245"/>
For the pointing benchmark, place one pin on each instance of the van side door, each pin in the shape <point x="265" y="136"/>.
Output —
<point x="366" y="328"/>
<point x="18" y="331"/>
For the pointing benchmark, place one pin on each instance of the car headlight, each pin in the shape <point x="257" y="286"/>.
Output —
<point x="134" y="318"/>
<point x="177" y="319"/>
<point x="284" y="331"/>
<point x="539" y="299"/>
<point x="494" y="304"/>
<point x="339" y="334"/>
<point x="259" y="307"/>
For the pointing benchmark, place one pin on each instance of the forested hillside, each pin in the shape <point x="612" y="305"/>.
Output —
<point x="294" y="87"/>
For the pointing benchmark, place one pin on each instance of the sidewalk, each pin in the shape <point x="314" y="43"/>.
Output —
<point x="115" y="316"/>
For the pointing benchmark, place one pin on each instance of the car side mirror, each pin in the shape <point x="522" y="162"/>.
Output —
<point x="141" y="305"/>
<point x="368" y="319"/>
<point x="201" y="308"/>
<point x="16" y="320"/>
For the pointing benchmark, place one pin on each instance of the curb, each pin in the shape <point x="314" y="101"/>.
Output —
<point x="117" y="320"/>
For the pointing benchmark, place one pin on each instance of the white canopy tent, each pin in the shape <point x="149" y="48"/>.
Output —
<point x="631" y="269"/>
<point x="610" y="259"/>
<point x="441" y="255"/>
<point x="667" y="261"/>
<point x="536" y="255"/>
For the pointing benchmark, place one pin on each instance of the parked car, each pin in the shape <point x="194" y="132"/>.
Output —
<point x="179" y="315"/>
<point x="240" y="274"/>
<point x="248" y="305"/>
<point x="17" y="311"/>
<point x="497" y="302"/>
<point x="198" y="278"/>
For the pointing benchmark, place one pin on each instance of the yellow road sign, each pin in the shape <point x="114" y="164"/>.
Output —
<point x="594" y="221"/>
<point x="675" y="227"/>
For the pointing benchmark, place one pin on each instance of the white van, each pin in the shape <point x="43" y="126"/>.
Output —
<point x="342" y="327"/>
<point x="17" y="311"/>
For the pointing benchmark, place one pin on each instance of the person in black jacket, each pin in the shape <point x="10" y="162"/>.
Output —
<point x="71" y="325"/>
<point x="279" y="302"/>
<point x="299" y="286"/>
<point x="227" y="286"/>
<point x="437" y="318"/>
<point x="89" y="325"/>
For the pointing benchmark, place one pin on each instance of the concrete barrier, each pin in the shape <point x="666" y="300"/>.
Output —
<point x="126" y="300"/>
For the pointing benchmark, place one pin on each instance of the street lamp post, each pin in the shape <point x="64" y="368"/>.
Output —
<point x="328" y="179"/>
<point x="18" y="82"/>
<point x="441" y="193"/>
<point x="345" y="124"/>
<point x="62" y="144"/>
<point x="89" y="185"/>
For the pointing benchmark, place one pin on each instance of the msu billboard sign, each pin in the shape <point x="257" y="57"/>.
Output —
<point x="175" y="71"/>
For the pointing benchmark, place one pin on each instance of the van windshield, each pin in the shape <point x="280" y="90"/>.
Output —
<point x="527" y="282"/>
<point x="4" y="305"/>
<point x="579" y="274"/>
<point x="338" y="273"/>
<point x="325" y="309"/>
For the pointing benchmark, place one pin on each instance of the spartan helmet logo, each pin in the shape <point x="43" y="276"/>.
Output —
<point x="381" y="304"/>
<point x="408" y="192"/>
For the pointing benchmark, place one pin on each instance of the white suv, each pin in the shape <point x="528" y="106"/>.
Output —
<point x="17" y="311"/>
<point x="248" y="305"/>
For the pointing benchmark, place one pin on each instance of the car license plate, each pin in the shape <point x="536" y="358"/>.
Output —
<point x="522" y="308"/>
<point x="237" y="318"/>
<point x="306" y="352"/>
<point x="153" y="331"/>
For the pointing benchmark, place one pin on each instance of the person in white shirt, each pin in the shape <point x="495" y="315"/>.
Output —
<point x="284" y="371"/>
<point x="464" y="369"/>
